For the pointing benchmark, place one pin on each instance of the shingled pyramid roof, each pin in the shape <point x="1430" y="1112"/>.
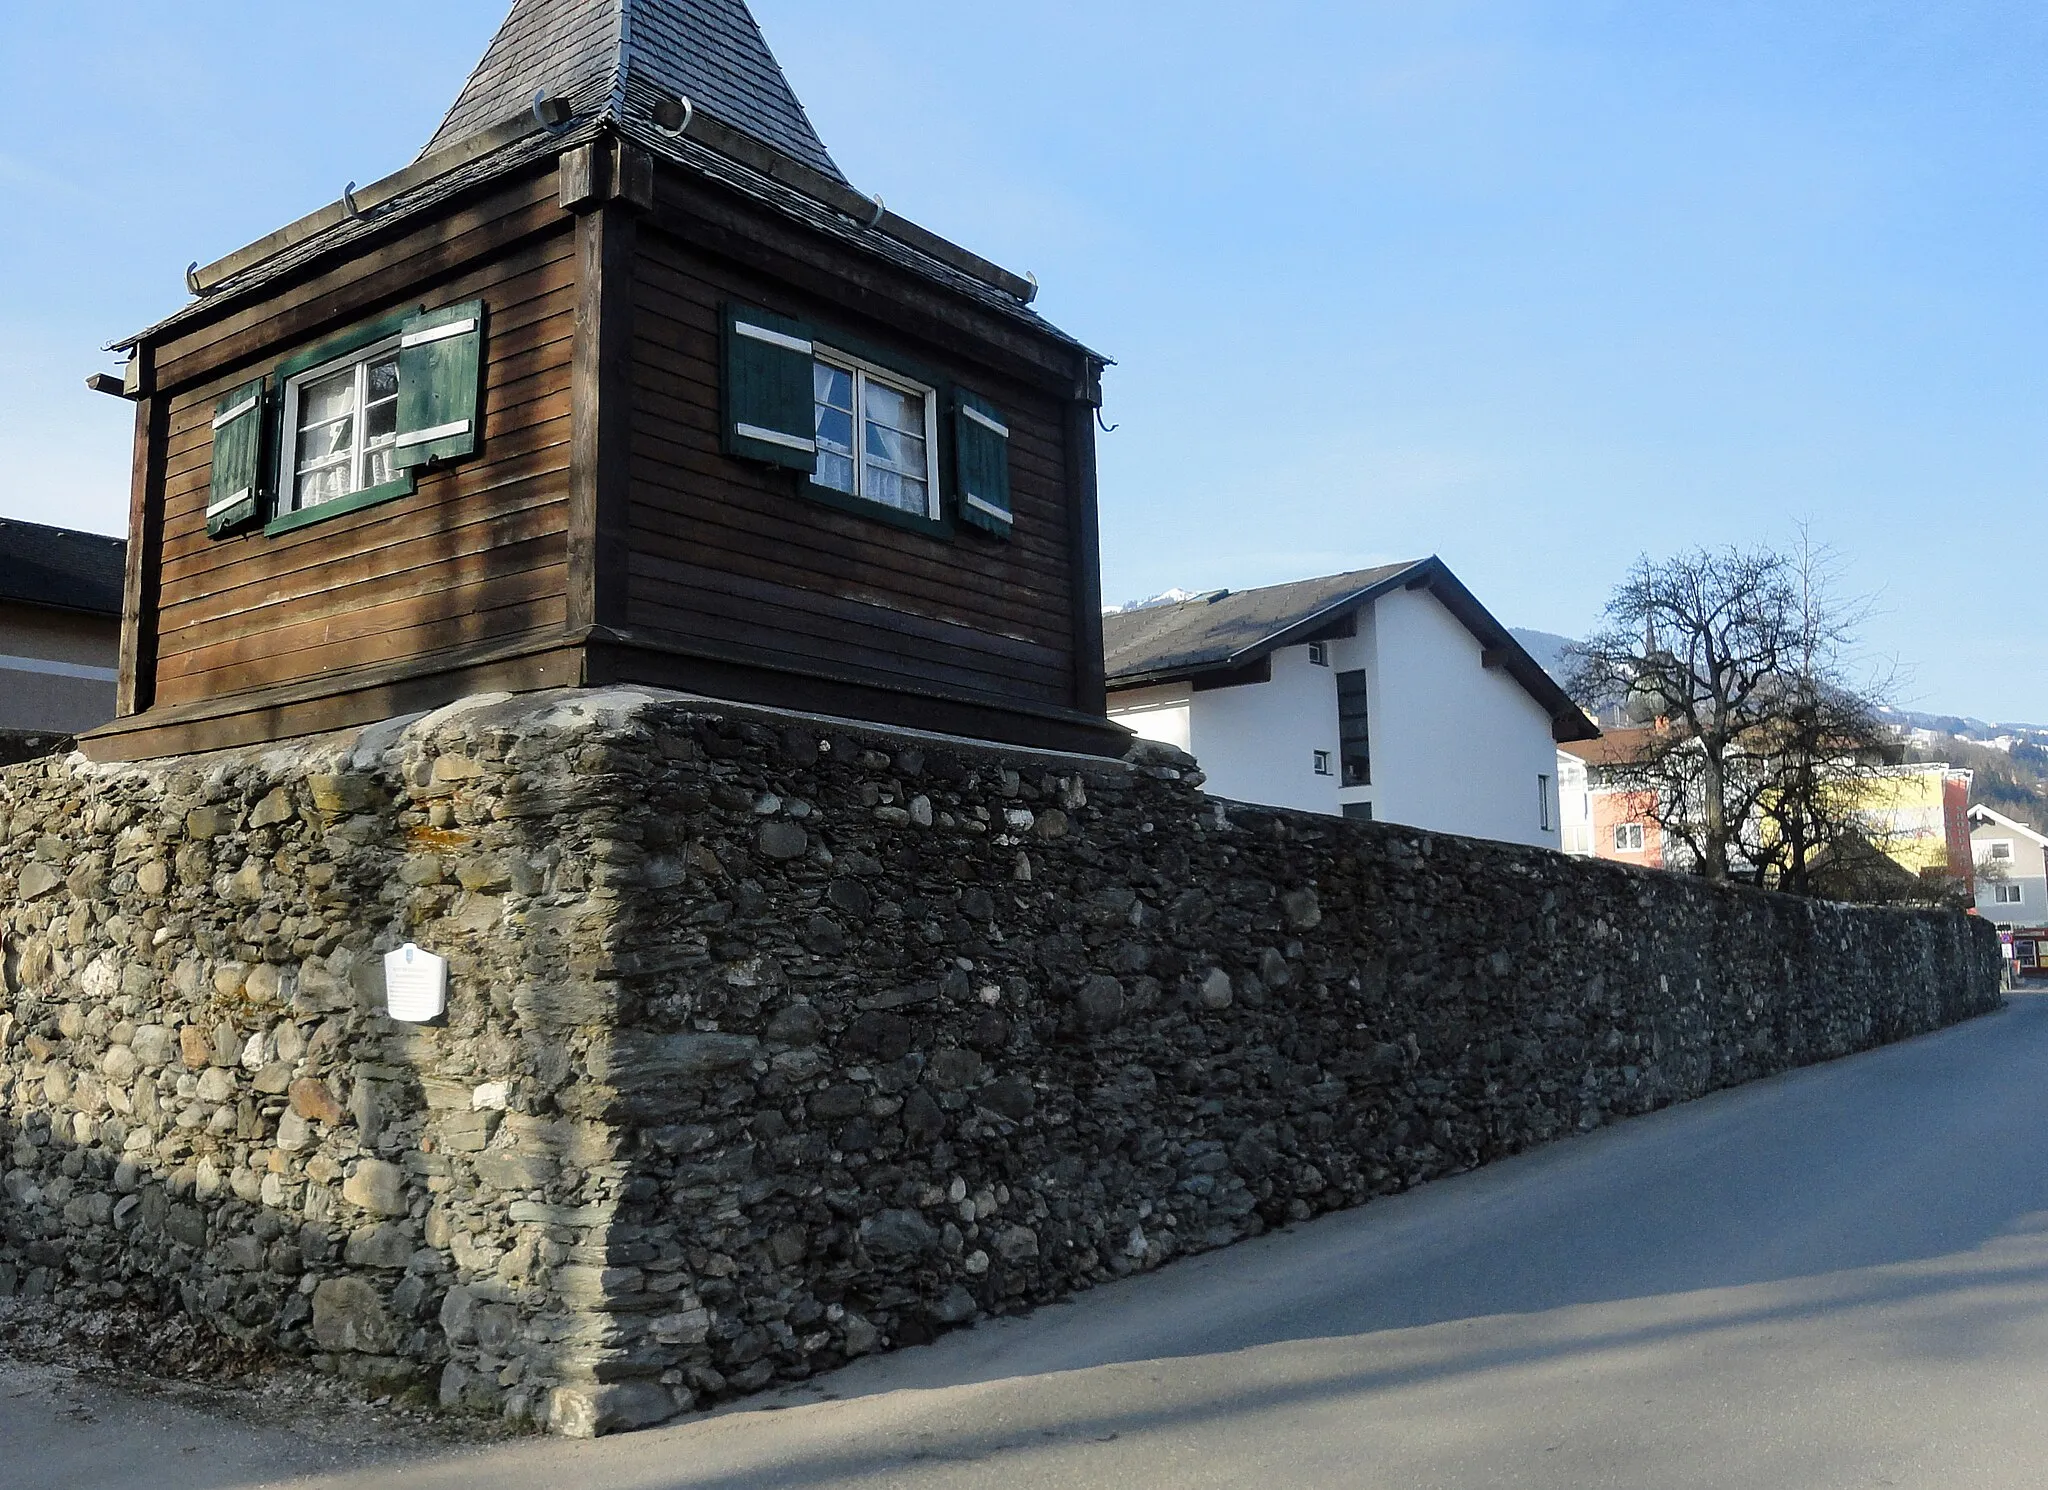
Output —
<point x="616" y="58"/>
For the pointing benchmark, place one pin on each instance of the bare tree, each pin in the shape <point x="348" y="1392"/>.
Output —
<point x="1830" y="753"/>
<point x="1736" y="660"/>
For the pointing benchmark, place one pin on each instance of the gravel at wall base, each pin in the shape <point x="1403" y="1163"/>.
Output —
<point x="775" y="1040"/>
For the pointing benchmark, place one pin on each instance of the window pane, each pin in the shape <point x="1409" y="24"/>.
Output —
<point x="384" y="378"/>
<point x="1354" y="737"/>
<point x="892" y="489"/>
<point x="835" y="471"/>
<point x="904" y="452"/>
<point x="835" y="429"/>
<point x="377" y="468"/>
<point x="323" y="485"/>
<point x="324" y="442"/>
<point x="898" y="410"/>
<point x="330" y="398"/>
<point x="833" y="385"/>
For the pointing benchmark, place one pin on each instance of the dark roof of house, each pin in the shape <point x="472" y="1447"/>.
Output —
<point x="613" y="55"/>
<point x="801" y="184"/>
<point x="1232" y="629"/>
<point x="61" y="568"/>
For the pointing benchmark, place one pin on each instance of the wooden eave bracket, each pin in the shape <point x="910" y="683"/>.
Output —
<point x="605" y="170"/>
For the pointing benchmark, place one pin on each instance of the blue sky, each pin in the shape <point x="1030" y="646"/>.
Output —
<point x="1536" y="287"/>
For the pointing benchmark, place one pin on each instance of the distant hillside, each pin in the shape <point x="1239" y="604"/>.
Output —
<point x="1547" y="647"/>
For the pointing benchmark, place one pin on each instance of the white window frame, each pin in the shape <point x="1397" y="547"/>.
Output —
<point x="1543" y="802"/>
<point x="1999" y="896"/>
<point x="1319" y="654"/>
<point x="288" y="427"/>
<point x="1628" y="830"/>
<point x="864" y="372"/>
<point x="1324" y="763"/>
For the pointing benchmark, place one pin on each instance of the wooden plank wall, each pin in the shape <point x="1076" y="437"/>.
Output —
<point x="476" y="555"/>
<point x="729" y="556"/>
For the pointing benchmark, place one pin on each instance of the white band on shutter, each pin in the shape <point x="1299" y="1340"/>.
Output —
<point x="235" y="413"/>
<point x="774" y="437"/>
<point x="438" y="432"/>
<point x="989" y="507"/>
<point x="773" y="338"/>
<point x="995" y="426"/>
<point x="438" y="333"/>
<point x="226" y="502"/>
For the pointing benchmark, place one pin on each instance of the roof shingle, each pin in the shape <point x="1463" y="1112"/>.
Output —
<point x="606" y="56"/>
<point x="61" y="567"/>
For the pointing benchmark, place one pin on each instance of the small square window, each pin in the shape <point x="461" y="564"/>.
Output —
<point x="876" y="434"/>
<point x="1323" y="763"/>
<point x="2001" y="848"/>
<point x="342" y="421"/>
<point x="2008" y="895"/>
<point x="1319" y="654"/>
<point x="1358" y="811"/>
<point x="1628" y="838"/>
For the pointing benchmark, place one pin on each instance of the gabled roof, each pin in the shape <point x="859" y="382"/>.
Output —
<point x="1231" y="629"/>
<point x="1981" y="816"/>
<point x="61" y="568"/>
<point x="617" y="57"/>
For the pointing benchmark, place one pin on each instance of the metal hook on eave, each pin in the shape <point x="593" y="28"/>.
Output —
<point x="348" y="200"/>
<point x="1108" y="429"/>
<point x="672" y="116"/>
<point x="554" y="114"/>
<point x="192" y="278"/>
<point x="1032" y="280"/>
<point x="881" y="211"/>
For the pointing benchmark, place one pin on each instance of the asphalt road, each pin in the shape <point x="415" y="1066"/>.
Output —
<point x="1836" y="1278"/>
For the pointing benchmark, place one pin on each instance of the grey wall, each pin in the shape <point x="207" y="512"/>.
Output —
<point x="773" y="1042"/>
<point x="56" y="668"/>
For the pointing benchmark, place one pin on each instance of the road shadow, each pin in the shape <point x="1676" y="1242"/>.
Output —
<point x="1892" y="1201"/>
<point x="1894" y="1188"/>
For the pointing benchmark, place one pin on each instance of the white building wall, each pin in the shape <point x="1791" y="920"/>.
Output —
<point x="1155" y="714"/>
<point x="1456" y="747"/>
<point x="1575" y="804"/>
<point x="1257" y="742"/>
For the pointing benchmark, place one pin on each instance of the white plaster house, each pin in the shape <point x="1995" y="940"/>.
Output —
<point x="1384" y="693"/>
<point x="2012" y="870"/>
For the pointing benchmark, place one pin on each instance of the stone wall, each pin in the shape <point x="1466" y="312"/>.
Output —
<point x="775" y="1040"/>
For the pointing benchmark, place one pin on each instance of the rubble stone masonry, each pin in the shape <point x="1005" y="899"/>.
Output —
<point x="775" y="1040"/>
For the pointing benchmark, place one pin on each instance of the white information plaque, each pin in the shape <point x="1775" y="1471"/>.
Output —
<point x="415" y="985"/>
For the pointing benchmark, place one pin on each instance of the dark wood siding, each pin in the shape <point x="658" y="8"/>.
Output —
<point x="731" y="557"/>
<point x="475" y="556"/>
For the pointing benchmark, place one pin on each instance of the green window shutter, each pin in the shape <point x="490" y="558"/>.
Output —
<point x="234" y="496"/>
<point x="440" y="384"/>
<point x="770" y="403"/>
<point x="981" y="463"/>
